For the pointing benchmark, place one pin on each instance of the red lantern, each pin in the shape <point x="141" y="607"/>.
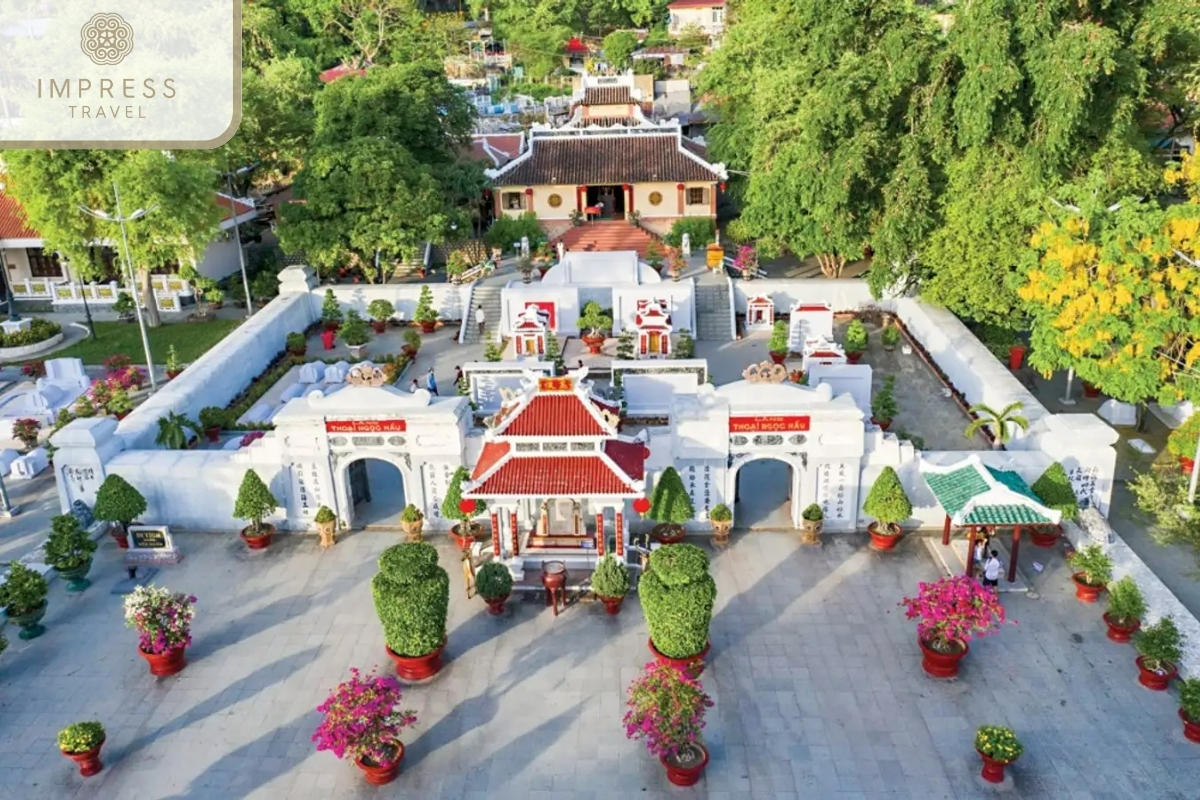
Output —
<point x="466" y="506"/>
<point x="641" y="505"/>
<point x="645" y="452"/>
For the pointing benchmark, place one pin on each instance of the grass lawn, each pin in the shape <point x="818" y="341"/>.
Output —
<point x="191" y="340"/>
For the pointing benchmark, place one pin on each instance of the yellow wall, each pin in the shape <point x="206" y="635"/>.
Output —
<point x="669" y="207"/>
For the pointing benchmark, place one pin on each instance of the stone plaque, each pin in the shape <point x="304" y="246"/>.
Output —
<point x="151" y="544"/>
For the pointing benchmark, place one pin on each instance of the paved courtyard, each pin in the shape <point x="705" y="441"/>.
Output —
<point x="815" y="673"/>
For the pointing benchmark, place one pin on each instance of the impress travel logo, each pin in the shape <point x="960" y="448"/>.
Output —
<point x="134" y="74"/>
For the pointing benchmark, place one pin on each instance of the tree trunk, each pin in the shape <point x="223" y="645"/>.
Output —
<point x="831" y="264"/>
<point x="152" y="318"/>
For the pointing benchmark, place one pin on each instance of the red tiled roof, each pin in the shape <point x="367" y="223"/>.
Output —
<point x="576" y="46"/>
<point x="554" y="414"/>
<point x="340" y="71"/>
<point x="490" y="455"/>
<point x="594" y="160"/>
<point x="606" y="96"/>
<point x="505" y="148"/>
<point x="697" y="4"/>
<point x="13" y="224"/>
<point x="552" y="476"/>
<point x="629" y="456"/>
<point x="228" y="204"/>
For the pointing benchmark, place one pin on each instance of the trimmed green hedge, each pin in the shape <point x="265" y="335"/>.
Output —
<point x="677" y="596"/>
<point x="412" y="598"/>
<point x="1055" y="491"/>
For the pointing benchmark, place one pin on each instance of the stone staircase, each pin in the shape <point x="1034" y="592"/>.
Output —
<point x="607" y="236"/>
<point x="489" y="298"/>
<point x="712" y="312"/>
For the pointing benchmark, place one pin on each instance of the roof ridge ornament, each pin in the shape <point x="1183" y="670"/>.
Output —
<point x="765" y="372"/>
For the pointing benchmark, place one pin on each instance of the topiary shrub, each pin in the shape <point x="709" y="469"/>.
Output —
<point x="412" y="598"/>
<point x="117" y="501"/>
<point x="670" y="503"/>
<point x="1054" y="489"/>
<point x="677" y="596"/>
<point x="493" y="581"/>
<point x="254" y="502"/>
<point x="856" y="337"/>
<point x="721" y="513"/>
<point x="331" y="310"/>
<point x="611" y="578"/>
<point x="779" y="343"/>
<point x="812" y="513"/>
<point x="887" y="502"/>
<point x="450" y="503"/>
<point x="68" y="546"/>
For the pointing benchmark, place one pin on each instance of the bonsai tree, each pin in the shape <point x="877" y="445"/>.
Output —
<point x="354" y="330"/>
<point x="493" y="581"/>
<point x="883" y="404"/>
<point x="124" y="307"/>
<point x="890" y="337"/>
<point x="452" y="502"/>
<point x="779" y="345"/>
<point x="117" y="501"/>
<point x="999" y="422"/>
<point x="670" y="505"/>
<point x="412" y="339"/>
<point x="1054" y="489"/>
<point x="856" y="337"/>
<point x="721" y="513"/>
<point x="264" y="287"/>
<point x="625" y="345"/>
<point x="1092" y="566"/>
<point x="297" y="345"/>
<point x="23" y="595"/>
<point x="324" y="516"/>
<point x="1126" y="606"/>
<point x="888" y="503"/>
<point x="254" y="503"/>
<point x="331" y="310"/>
<point x="655" y="255"/>
<point x="1160" y="646"/>
<point x="677" y="596"/>
<point x="411" y="514"/>
<point x="381" y="310"/>
<point x="611" y="578"/>
<point x="68" y="547"/>
<point x="412" y="598"/>
<point x="685" y="345"/>
<point x="425" y="315"/>
<point x="554" y="353"/>
<point x="174" y="431"/>
<point x="594" y="320"/>
<point x="525" y="268"/>
<point x="1189" y="701"/>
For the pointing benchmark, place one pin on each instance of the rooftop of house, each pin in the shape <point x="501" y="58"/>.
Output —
<point x="496" y="148"/>
<point x="696" y="4"/>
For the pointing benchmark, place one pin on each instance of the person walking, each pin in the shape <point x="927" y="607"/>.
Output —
<point x="414" y="386"/>
<point x="992" y="569"/>
<point x="431" y="382"/>
<point x="480" y="319"/>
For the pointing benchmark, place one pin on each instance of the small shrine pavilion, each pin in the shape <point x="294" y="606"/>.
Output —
<point x="529" y="333"/>
<point x="760" y="313"/>
<point x="982" y="499"/>
<point x="653" y="326"/>
<point x="556" y="474"/>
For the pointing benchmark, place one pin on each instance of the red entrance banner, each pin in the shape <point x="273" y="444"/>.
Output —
<point x="767" y="424"/>
<point x="365" y="426"/>
<point x="556" y="384"/>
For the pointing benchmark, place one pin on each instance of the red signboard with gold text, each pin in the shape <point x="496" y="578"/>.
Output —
<point x="556" y="384"/>
<point x="767" y="424"/>
<point x="365" y="426"/>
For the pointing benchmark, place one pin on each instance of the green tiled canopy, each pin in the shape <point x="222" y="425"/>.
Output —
<point x="955" y="489"/>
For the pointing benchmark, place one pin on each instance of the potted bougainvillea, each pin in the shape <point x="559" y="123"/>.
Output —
<point x="1189" y="708"/>
<point x="254" y="504"/>
<point x="610" y="583"/>
<point x="23" y="595"/>
<point x="494" y="584"/>
<point x="163" y="620"/>
<point x="454" y="507"/>
<point x="951" y="612"/>
<point x="666" y="708"/>
<point x="998" y="747"/>
<point x="1160" y="647"/>
<point x="670" y="507"/>
<point x="81" y="742"/>
<point x="1093" y="571"/>
<point x="888" y="503"/>
<point x="363" y="720"/>
<point x="69" y="550"/>
<point x="412" y="598"/>
<point x="677" y="596"/>
<point x="117" y="501"/>
<point x="1126" y="606"/>
<point x="1054" y="489"/>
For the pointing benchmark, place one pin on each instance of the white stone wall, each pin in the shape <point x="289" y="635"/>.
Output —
<point x="448" y="299"/>
<point x="679" y="298"/>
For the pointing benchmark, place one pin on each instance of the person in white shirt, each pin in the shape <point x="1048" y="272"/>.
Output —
<point x="480" y="319"/>
<point x="992" y="569"/>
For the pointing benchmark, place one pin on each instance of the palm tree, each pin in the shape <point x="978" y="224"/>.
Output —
<point x="997" y="422"/>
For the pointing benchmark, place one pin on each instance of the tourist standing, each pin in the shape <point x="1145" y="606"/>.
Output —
<point x="431" y="382"/>
<point x="992" y="569"/>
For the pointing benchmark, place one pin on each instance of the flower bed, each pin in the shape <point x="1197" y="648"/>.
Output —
<point x="41" y="334"/>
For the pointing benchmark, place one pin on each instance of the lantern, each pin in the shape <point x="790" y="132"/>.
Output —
<point x="466" y="506"/>
<point x="641" y="505"/>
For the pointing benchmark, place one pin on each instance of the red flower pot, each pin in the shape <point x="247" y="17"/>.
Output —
<point x="1121" y="633"/>
<point x="942" y="665"/>
<point x="120" y="415"/>
<point x="594" y="343"/>
<point x="1155" y="680"/>
<point x="172" y="374"/>
<point x="168" y="663"/>
<point x="379" y="326"/>
<point x="260" y="542"/>
<point x="693" y="666"/>
<point x="853" y="358"/>
<point x="327" y="337"/>
<point x="688" y="773"/>
<point x="1186" y="465"/>
<point x="1089" y="391"/>
<point x="332" y="326"/>
<point x="1016" y="356"/>
<point x="612" y="605"/>
<point x="428" y="327"/>
<point x="418" y="668"/>
<point x="883" y="426"/>
<point x="1044" y="538"/>
<point x="381" y="774"/>
<point x="89" y="760"/>
<point x="778" y="358"/>
<point x="1085" y="593"/>
<point x="993" y="770"/>
<point x="120" y="537"/>
<point x="495" y="605"/>
<point x="667" y="533"/>
<point x="1191" y="730"/>
<point x="213" y="434"/>
<point x="884" y="541"/>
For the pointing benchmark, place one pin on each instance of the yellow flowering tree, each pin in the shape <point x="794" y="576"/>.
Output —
<point x="1116" y="293"/>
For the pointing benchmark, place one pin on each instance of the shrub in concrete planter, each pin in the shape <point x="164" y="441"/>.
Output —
<point x="812" y="520"/>
<point x="1126" y="606"/>
<point x="1093" y="571"/>
<point x="721" y="518"/>
<point x="888" y="503"/>
<point x="412" y="598"/>
<point x="23" y="595"/>
<point x="81" y="742"/>
<point x="254" y="504"/>
<point x="778" y="346"/>
<point x="411" y="522"/>
<point x="670" y="507"/>
<point x="494" y="584"/>
<point x="1189" y="708"/>
<point x="326" y="522"/>
<point x="117" y="501"/>
<point x="610" y="582"/>
<point x="426" y="315"/>
<point x="855" y="341"/>
<point x="69" y="550"/>
<point x="381" y="311"/>
<point x="677" y="596"/>
<point x="1160" y="647"/>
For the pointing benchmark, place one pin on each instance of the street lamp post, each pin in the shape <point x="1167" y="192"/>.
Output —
<point x="13" y="316"/>
<point x="120" y="219"/>
<point x="237" y="233"/>
<point x="7" y="509"/>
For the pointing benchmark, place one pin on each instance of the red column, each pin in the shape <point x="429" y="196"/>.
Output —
<point x="580" y="197"/>
<point x="600" y="533"/>
<point x="529" y="198"/>
<point x="680" y="189"/>
<point x="946" y="531"/>
<point x="496" y="200"/>
<point x="516" y="533"/>
<point x="970" y="551"/>
<point x="712" y="205"/>
<point x="495" y="534"/>
<point x="620" y="535"/>
<point x="629" y="203"/>
<point x="1012" y="561"/>
<point x="545" y="513"/>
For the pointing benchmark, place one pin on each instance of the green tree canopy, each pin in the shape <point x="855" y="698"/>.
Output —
<point x="617" y="46"/>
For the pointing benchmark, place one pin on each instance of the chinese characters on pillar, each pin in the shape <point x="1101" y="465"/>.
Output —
<point x="306" y="481"/>
<point x="701" y="488"/>
<point x="1083" y="481"/>
<point x="833" y="494"/>
<point x="437" y="480"/>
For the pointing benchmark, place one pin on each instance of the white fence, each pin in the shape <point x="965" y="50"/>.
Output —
<point x="168" y="289"/>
